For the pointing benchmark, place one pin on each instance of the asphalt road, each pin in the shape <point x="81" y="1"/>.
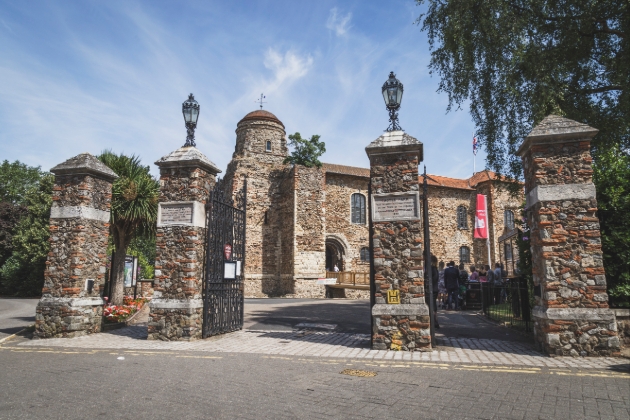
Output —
<point x="49" y="383"/>
<point x="15" y="314"/>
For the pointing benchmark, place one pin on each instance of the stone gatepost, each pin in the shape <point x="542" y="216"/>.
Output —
<point x="571" y="316"/>
<point x="186" y="179"/>
<point x="400" y="314"/>
<point x="71" y="303"/>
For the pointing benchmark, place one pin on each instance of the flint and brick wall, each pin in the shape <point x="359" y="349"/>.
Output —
<point x="572" y="315"/>
<point x="270" y="206"/>
<point x="398" y="258"/>
<point x="339" y="190"/>
<point x="79" y="228"/>
<point x="177" y="312"/>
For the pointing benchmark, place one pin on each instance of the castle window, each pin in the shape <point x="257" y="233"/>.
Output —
<point x="508" y="219"/>
<point x="268" y="147"/>
<point x="358" y="208"/>
<point x="508" y="251"/>
<point x="464" y="254"/>
<point x="365" y="254"/>
<point x="462" y="220"/>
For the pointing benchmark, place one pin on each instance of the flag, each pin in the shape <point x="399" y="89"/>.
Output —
<point x="481" y="218"/>
<point x="475" y="146"/>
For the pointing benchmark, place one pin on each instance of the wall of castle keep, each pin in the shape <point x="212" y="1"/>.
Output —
<point x="309" y="227"/>
<point x="292" y="211"/>
<point x="446" y="236"/>
<point x="339" y="190"/>
<point x="270" y="200"/>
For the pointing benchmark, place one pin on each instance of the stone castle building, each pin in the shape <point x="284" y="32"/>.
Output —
<point x="302" y="221"/>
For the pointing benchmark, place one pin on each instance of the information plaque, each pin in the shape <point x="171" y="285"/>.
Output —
<point x="173" y="214"/>
<point x="395" y="206"/>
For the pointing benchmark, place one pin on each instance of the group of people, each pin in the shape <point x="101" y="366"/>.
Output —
<point x="449" y="282"/>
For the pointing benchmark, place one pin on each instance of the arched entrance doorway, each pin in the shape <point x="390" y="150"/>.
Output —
<point x="334" y="254"/>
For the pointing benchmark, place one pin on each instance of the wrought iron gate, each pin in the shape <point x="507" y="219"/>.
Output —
<point x="225" y="260"/>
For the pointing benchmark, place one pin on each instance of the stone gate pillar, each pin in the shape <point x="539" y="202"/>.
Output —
<point x="186" y="179"/>
<point x="571" y="316"/>
<point x="400" y="314"/>
<point x="71" y="303"/>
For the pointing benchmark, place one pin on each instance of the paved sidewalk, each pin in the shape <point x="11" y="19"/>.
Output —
<point x="312" y="343"/>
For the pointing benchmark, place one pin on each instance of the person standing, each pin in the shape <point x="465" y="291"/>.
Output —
<point x="451" y="281"/>
<point x="435" y="282"/>
<point x="474" y="275"/>
<point x="498" y="281"/>
<point x="443" y="293"/>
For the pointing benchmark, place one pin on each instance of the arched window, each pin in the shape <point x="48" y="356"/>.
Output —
<point x="365" y="254"/>
<point x="357" y="204"/>
<point x="462" y="220"/>
<point x="268" y="146"/>
<point x="464" y="254"/>
<point x="508" y="219"/>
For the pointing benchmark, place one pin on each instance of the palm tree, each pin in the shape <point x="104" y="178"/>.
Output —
<point x="133" y="212"/>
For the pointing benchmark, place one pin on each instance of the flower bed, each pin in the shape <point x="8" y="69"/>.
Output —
<point x="120" y="313"/>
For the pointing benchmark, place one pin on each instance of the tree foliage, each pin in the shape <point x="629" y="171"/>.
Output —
<point x="133" y="211"/>
<point x="516" y="61"/>
<point x="612" y="176"/>
<point x="16" y="179"/>
<point x="306" y="152"/>
<point x="10" y="215"/>
<point x="22" y="274"/>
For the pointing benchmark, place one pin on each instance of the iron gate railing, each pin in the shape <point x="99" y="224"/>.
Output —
<point x="223" y="283"/>
<point x="508" y="303"/>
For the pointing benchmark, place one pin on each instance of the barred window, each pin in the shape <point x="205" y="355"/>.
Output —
<point x="358" y="208"/>
<point x="462" y="220"/>
<point x="464" y="254"/>
<point x="508" y="251"/>
<point x="508" y="219"/>
<point x="268" y="146"/>
<point x="365" y="254"/>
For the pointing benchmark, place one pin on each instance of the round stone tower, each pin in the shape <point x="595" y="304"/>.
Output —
<point x="261" y="134"/>
<point x="261" y="148"/>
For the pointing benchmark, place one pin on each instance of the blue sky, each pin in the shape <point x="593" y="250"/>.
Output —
<point x="79" y="76"/>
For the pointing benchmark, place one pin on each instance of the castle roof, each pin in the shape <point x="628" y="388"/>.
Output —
<point x="346" y="170"/>
<point x="434" y="180"/>
<point x="261" y="115"/>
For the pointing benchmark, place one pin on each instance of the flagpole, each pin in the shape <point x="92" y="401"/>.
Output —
<point x="485" y="201"/>
<point x="474" y="154"/>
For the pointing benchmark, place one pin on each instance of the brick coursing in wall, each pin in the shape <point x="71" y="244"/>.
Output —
<point x="180" y="250"/>
<point x="78" y="249"/>
<point x="572" y="315"/>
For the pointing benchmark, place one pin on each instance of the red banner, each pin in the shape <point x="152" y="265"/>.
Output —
<point x="481" y="218"/>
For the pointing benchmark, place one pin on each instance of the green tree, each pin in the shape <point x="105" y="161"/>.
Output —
<point x="612" y="176"/>
<point x="16" y="179"/>
<point x="133" y="212"/>
<point x="10" y="215"/>
<point x="516" y="61"/>
<point x="305" y="152"/>
<point x="22" y="274"/>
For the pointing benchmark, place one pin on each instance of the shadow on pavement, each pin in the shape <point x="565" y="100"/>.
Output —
<point x="349" y="316"/>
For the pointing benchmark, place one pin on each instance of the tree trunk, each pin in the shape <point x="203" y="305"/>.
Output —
<point x="118" y="277"/>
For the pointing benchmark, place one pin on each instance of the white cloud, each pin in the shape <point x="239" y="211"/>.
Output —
<point x="339" y="24"/>
<point x="287" y="68"/>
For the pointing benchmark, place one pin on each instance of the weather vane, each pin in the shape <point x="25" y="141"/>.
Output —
<point x="260" y="101"/>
